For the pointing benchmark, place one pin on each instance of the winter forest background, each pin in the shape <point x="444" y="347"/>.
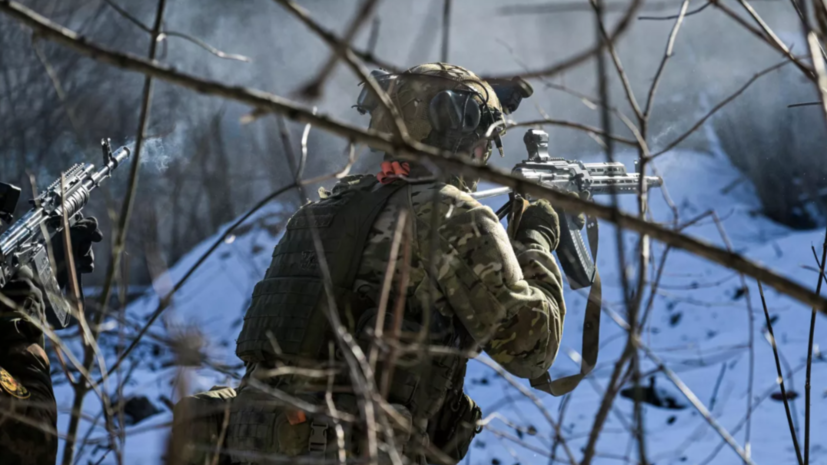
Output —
<point x="751" y="177"/>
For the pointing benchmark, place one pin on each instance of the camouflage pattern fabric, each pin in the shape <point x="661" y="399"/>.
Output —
<point x="508" y="296"/>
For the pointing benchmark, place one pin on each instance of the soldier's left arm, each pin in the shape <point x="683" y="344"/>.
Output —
<point x="509" y="297"/>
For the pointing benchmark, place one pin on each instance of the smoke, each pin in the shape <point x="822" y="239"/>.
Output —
<point x="158" y="152"/>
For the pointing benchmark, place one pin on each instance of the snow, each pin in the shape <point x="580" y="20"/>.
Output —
<point x="710" y="335"/>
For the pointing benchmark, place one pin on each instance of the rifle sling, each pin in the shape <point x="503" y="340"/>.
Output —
<point x="591" y="330"/>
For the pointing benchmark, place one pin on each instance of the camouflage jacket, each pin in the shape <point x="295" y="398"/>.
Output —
<point x="507" y="295"/>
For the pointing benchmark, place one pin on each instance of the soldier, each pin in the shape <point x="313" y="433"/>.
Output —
<point x="28" y="414"/>
<point x="467" y="286"/>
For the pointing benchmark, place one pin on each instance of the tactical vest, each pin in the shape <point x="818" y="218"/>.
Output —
<point x="286" y="319"/>
<point x="287" y="316"/>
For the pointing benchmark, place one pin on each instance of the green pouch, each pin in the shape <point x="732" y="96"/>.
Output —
<point x="455" y="425"/>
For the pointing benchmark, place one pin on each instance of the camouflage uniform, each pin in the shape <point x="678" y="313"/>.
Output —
<point x="469" y="287"/>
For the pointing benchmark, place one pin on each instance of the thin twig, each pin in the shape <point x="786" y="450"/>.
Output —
<point x="773" y="39"/>
<point x="581" y="57"/>
<point x="573" y="125"/>
<point x="693" y="399"/>
<point x="670" y="45"/>
<point x="762" y="35"/>
<point x="314" y="88"/>
<point x="610" y="46"/>
<point x="398" y="311"/>
<point x="753" y="406"/>
<point x="606" y="404"/>
<point x="219" y="442"/>
<point x="446" y="30"/>
<point x="678" y="383"/>
<point x="331" y="405"/>
<point x="717" y="107"/>
<point x="803" y="104"/>
<point x="61" y="94"/>
<point x="164" y="302"/>
<point x="373" y="39"/>
<point x="227" y="56"/>
<point x="717" y="386"/>
<point x="662" y="18"/>
<point x="750" y="335"/>
<point x="343" y="50"/>
<point x="387" y="284"/>
<point x="780" y="376"/>
<point x="807" y="383"/>
<point x="218" y="53"/>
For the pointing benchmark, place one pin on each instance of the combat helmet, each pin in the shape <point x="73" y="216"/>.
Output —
<point x="446" y="106"/>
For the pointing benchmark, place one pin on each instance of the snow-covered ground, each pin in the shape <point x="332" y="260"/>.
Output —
<point x="699" y="326"/>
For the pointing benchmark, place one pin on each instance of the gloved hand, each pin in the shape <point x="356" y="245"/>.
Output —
<point x="83" y="234"/>
<point x="539" y="225"/>
<point x="20" y="296"/>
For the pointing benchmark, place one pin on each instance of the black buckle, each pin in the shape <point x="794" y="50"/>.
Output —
<point x="318" y="437"/>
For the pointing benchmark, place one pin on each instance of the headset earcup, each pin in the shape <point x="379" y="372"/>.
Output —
<point x="454" y="111"/>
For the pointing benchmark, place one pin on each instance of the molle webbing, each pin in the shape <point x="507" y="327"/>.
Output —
<point x="289" y="304"/>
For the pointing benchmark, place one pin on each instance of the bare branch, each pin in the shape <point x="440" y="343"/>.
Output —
<point x="218" y="53"/>
<point x="387" y="283"/>
<point x="763" y="35"/>
<point x="699" y="406"/>
<point x="446" y="30"/>
<point x="581" y="57"/>
<point x="717" y="107"/>
<point x="606" y="404"/>
<point x="194" y="40"/>
<point x="774" y="40"/>
<point x="314" y="88"/>
<point x="661" y="18"/>
<point x="61" y="94"/>
<point x="344" y="51"/>
<point x="573" y="125"/>
<point x="414" y="150"/>
<point x="780" y="376"/>
<point x="610" y="46"/>
<point x="167" y="299"/>
<point x="670" y="45"/>
<point x="808" y="382"/>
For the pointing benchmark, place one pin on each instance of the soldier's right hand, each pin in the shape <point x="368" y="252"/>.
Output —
<point x="539" y="225"/>
<point x="20" y="296"/>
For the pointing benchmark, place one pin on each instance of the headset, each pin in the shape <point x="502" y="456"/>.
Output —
<point x="457" y="111"/>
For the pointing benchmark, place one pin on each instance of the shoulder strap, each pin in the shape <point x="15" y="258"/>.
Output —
<point x="359" y="213"/>
<point x="591" y="331"/>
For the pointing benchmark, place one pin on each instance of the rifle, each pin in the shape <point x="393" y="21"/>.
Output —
<point x="584" y="179"/>
<point x="24" y="243"/>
